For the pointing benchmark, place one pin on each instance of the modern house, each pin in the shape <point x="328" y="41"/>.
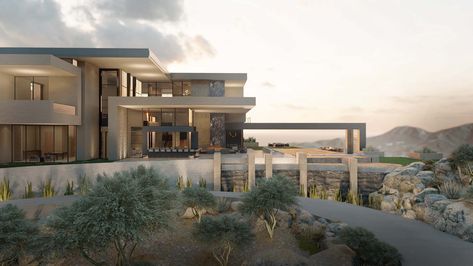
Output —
<point x="66" y="104"/>
<point x="63" y="104"/>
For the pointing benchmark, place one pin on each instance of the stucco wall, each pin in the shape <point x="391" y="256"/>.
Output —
<point x="202" y="124"/>
<point x="6" y="87"/>
<point x="88" y="131"/>
<point x="61" y="174"/>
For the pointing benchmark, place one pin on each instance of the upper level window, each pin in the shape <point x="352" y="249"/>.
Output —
<point x="30" y="88"/>
<point x="36" y="91"/>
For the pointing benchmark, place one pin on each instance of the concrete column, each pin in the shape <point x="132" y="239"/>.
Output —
<point x="349" y="141"/>
<point x="352" y="165"/>
<point x="217" y="171"/>
<point x="268" y="163"/>
<point x="302" y="161"/>
<point x="251" y="169"/>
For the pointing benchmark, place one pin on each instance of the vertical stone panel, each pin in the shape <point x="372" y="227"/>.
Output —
<point x="217" y="129"/>
<point x="217" y="88"/>
<point x="302" y="161"/>
<point x="251" y="169"/>
<point x="268" y="163"/>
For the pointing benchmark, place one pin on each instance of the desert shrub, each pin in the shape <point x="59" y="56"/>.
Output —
<point x="5" y="189"/>
<point x="224" y="233"/>
<point x="198" y="199"/>
<point x="69" y="188"/>
<point x="354" y="198"/>
<point x="309" y="237"/>
<point x="48" y="188"/>
<point x="271" y="195"/>
<point x="183" y="183"/>
<point x="369" y="250"/>
<point x="28" y="190"/>
<point x="451" y="189"/>
<point x="85" y="185"/>
<point x="119" y="211"/>
<point x="426" y="150"/>
<point x="202" y="183"/>
<point x="223" y="204"/>
<point x="462" y="154"/>
<point x="16" y="234"/>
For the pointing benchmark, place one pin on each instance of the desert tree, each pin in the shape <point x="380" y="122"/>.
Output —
<point x="271" y="195"/>
<point x="199" y="200"/>
<point x="118" y="212"/>
<point x="16" y="234"/>
<point x="225" y="233"/>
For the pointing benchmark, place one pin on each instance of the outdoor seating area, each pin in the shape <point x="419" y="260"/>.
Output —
<point x="171" y="152"/>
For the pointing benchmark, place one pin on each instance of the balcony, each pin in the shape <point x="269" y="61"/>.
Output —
<point x="41" y="112"/>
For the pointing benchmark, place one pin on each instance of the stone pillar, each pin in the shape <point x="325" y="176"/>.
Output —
<point x="268" y="163"/>
<point x="251" y="169"/>
<point x="348" y="141"/>
<point x="352" y="165"/>
<point x="302" y="161"/>
<point x="356" y="141"/>
<point x="217" y="171"/>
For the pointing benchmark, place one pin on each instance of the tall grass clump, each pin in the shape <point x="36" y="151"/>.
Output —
<point x="451" y="189"/>
<point x="48" y="188"/>
<point x="5" y="189"/>
<point x="202" y="183"/>
<point x="69" y="188"/>
<point x="28" y="190"/>
<point x="85" y="184"/>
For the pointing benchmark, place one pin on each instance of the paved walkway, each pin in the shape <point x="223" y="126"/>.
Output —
<point x="419" y="243"/>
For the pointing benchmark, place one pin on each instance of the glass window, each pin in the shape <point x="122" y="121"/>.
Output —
<point x="33" y="144"/>
<point x="19" y="143"/>
<point x="177" y="88"/>
<point x="182" y="117"/>
<point x="47" y="142"/>
<point x="186" y="88"/>
<point x="165" y="89"/>
<point x="60" y="143"/>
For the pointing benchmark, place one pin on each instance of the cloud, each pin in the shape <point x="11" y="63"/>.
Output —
<point x="163" y="10"/>
<point x="104" y="23"/>
<point x="267" y="84"/>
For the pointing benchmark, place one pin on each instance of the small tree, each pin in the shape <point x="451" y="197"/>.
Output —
<point x="271" y="195"/>
<point x="117" y="212"/>
<point x="225" y="232"/>
<point x="198" y="199"/>
<point x="16" y="233"/>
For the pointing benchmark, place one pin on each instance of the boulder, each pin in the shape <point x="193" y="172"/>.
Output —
<point x="443" y="171"/>
<point x="410" y="214"/>
<point x="430" y="199"/>
<point x="418" y="188"/>
<point x="188" y="214"/>
<point x="336" y="227"/>
<point x="402" y="179"/>
<point x="417" y="165"/>
<point x="234" y="206"/>
<point x="406" y="201"/>
<point x="426" y="177"/>
<point x="306" y="217"/>
<point x="277" y="256"/>
<point x="390" y="204"/>
<point x="419" y="197"/>
<point x="284" y="219"/>
<point x="335" y="255"/>
<point x="454" y="217"/>
<point x="419" y="209"/>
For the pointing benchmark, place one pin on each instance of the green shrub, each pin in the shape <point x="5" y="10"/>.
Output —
<point x="202" y="183"/>
<point x="198" y="199"/>
<point x="223" y="204"/>
<point x="48" y="188"/>
<point x="28" y="190"/>
<point x="224" y="233"/>
<point x="69" y="188"/>
<point x="271" y="195"/>
<point x="16" y="234"/>
<point x="369" y="250"/>
<point x="182" y="183"/>
<point x="354" y="198"/>
<point x="310" y="238"/>
<point x="462" y="155"/>
<point x="451" y="189"/>
<point x="119" y="211"/>
<point x="5" y="190"/>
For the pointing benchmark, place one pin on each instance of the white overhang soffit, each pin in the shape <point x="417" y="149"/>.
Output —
<point x="36" y="65"/>
<point x="139" y="62"/>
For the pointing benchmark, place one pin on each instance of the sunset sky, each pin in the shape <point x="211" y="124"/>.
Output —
<point x="386" y="63"/>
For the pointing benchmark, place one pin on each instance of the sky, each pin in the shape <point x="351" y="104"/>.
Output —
<point x="386" y="63"/>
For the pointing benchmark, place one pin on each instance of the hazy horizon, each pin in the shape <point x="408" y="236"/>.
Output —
<point x="386" y="63"/>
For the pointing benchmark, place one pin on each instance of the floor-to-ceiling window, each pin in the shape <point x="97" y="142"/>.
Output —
<point x="31" y="143"/>
<point x="30" y="88"/>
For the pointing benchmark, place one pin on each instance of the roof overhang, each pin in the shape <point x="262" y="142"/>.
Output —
<point x="36" y="65"/>
<point x="139" y="62"/>
<point x="231" y="79"/>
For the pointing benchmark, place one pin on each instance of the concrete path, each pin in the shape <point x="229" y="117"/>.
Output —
<point x="419" y="243"/>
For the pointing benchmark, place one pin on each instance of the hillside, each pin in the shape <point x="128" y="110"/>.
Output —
<point x="401" y="140"/>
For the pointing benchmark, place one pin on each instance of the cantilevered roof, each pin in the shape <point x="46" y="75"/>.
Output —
<point x="36" y="65"/>
<point x="140" y="62"/>
<point x="231" y="79"/>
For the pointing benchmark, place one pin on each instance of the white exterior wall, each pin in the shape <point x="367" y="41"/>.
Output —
<point x="6" y="87"/>
<point x="88" y="131"/>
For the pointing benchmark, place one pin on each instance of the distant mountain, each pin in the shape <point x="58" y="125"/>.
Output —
<point x="401" y="140"/>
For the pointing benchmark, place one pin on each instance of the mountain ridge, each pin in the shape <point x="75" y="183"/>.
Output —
<point x="401" y="140"/>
